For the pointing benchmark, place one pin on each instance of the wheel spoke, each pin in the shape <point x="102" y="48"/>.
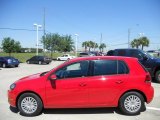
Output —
<point x="132" y="103"/>
<point x="29" y="105"/>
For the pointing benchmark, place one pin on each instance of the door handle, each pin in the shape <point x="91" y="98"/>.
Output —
<point x="119" y="81"/>
<point x="82" y="84"/>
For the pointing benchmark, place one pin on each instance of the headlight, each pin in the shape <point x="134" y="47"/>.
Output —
<point x="12" y="86"/>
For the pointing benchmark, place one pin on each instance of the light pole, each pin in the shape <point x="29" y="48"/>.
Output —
<point x="37" y="27"/>
<point x="76" y="37"/>
<point x="129" y="35"/>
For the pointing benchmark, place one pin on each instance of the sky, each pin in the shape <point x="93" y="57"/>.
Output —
<point x="102" y="21"/>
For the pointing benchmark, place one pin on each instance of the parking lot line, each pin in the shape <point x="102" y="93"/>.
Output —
<point x="153" y="108"/>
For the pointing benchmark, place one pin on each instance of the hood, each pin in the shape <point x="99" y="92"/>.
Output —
<point x="30" y="78"/>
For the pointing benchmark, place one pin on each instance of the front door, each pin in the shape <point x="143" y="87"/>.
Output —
<point x="70" y="89"/>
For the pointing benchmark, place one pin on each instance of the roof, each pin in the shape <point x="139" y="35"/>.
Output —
<point x="102" y="57"/>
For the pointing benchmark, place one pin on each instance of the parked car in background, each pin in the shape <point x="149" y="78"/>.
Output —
<point x="9" y="62"/>
<point x="151" y="63"/>
<point x="65" y="57"/>
<point x="85" y="82"/>
<point x="39" y="60"/>
<point x="154" y="53"/>
<point x="85" y="54"/>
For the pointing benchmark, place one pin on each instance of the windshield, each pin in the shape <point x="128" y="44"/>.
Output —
<point x="148" y="55"/>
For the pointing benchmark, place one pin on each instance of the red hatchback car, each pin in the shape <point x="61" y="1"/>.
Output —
<point x="86" y="82"/>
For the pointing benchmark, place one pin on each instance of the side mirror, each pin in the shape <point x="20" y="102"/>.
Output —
<point x="145" y="57"/>
<point x="53" y="77"/>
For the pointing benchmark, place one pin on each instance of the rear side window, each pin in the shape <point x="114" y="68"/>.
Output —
<point x="109" y="67"/>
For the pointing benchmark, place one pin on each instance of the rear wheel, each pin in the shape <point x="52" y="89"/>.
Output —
<point x="28" y="62"/>
<point x="16" y="65"/>
<point x="157" y="76"/>
<point x="29" y="104"/>
<point x="131" y="103"/>
<point x="40" y="62"/>
<point x="4" y="65"/>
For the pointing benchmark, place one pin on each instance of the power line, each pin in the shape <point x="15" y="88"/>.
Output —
<point x="18" y="29"/>
<point x="119" y="44"/>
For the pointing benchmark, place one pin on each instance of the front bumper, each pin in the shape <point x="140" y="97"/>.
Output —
<point x="12" y="98"/>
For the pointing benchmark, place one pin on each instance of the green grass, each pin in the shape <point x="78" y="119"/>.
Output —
<point x="22" y="57"/>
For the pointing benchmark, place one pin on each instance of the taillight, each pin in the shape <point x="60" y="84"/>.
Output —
<point x="9" y="60"/>
<point x="148" y="78"/>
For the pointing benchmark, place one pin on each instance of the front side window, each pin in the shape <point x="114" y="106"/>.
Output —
<point x="78" y="69"/>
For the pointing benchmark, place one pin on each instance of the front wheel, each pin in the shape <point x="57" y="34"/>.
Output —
<point x="157" y="76"/>
<point x="29" y="104"/>
<point x="131" y="103"/>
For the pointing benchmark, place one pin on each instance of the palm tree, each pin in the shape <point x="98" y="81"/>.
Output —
<point x="135" y="43"/>
<point x="144" y="41"/>
<point x="85" y="45"/>
<point x="90" y="45"/>
<point x="95" y="46"/>
<point x="102" y="46"/>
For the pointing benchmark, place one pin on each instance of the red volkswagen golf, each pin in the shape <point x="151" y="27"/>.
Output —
<point x="87" y="82"/>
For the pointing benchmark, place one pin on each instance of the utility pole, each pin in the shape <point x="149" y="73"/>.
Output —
<point x="101" y="39"/>
<point x="129" y="32"/>
<point x="44" y="31"/>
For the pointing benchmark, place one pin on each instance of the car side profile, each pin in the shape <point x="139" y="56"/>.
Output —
<point x="85" y="82"/>
<point x="65" y="57"/>
<point x="39" y="60"/>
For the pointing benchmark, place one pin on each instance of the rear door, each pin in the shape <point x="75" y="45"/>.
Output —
<point x="106" y="83"/>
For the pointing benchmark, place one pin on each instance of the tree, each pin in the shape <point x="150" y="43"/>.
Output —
<point x="144" y="41"/>
<point x="85" y="45"/>
<point x="55" y="42"/>
<point x="95" y="46"/>
<point x="66" y="43"/>
<point x="135" y="43"/>
<point x="10" y="45"/>
<point x="102" y="46"/>
<point x="90" y="45"/>
<point x="17" y="46"/>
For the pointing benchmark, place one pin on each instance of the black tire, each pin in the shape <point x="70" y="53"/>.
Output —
<point x="134" y="109"/>
<point x="58" y="59"/>
<point x="35" y="99"/>
<point x="16" y="65"/>
<point x="157" y="76"/>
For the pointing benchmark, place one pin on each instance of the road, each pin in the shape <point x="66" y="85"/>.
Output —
<point x="9" y="75"/>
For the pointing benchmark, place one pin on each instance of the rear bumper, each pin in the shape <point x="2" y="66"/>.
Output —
<point x="12" y="64"/>
<point x="150" y="94"/>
